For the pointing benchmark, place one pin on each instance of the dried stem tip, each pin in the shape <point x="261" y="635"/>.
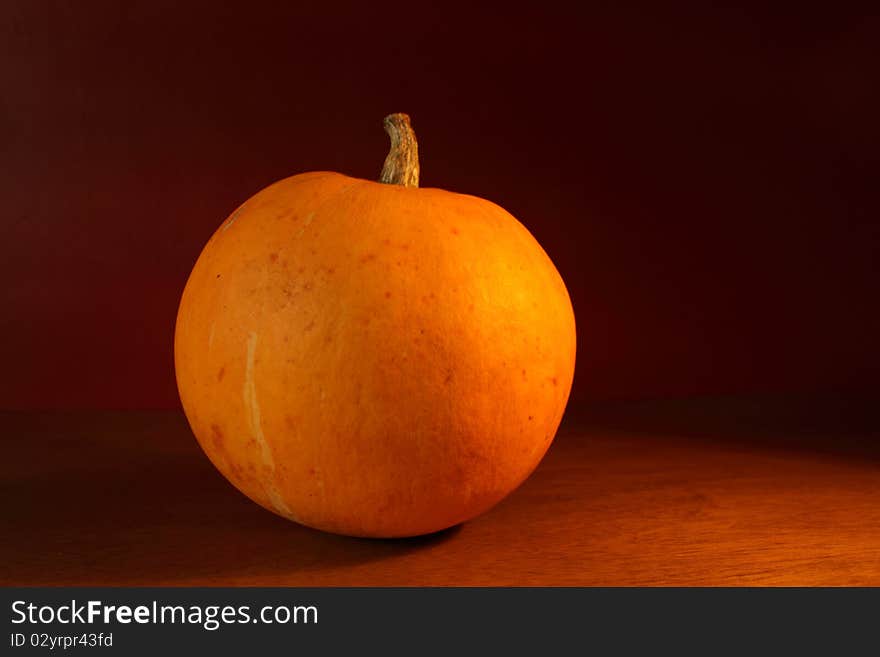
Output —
<point x="402" y="163"/>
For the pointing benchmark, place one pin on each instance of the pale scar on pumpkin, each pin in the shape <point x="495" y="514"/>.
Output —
<point x="232" y="219"/>
<point x="211" y="336"/>
<point x="252" y="407"/>
<point x="306" y="222"/>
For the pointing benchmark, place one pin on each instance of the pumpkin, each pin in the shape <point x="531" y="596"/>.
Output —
<point x="372" y="358"/>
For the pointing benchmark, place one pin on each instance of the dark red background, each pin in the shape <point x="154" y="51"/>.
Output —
<point x="705" y="179"/>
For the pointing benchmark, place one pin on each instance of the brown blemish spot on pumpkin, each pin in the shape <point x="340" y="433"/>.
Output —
<point x="448" y="378"/>
<point x="308" y="327"/>
<point x="300" y="270"/>
<point x="387" y="295"/>
<point x="221" y="374"/>
<point x="288" y="420"/>
<point x="217" y="436"/>
<point x="554" y="381"/>
<point x="523" y="374"/>
<point x="405" y="247"/>
<point x="368" y="257"/>
<point x="331" y="270"/>
<point x="386" y="242"/>
<point x="307" y="286"/>
<point x="399" y="263"/>
<point x="273" y="257"/>
<point x="454" y="231"/>
<point x="531" y="418"/>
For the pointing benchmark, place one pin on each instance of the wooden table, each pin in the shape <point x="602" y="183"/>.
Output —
<point x="701" y="492"/>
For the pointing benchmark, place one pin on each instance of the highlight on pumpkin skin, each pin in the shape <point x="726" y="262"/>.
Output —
<point x="374" y="363"/>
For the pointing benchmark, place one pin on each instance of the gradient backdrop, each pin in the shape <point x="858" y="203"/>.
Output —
<point x="705" y="179"/>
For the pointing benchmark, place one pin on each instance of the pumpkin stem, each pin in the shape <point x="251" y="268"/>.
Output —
<point x="402" y="163"/>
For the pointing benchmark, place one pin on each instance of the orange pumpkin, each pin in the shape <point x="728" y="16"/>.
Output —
<point x="374" y="358"/>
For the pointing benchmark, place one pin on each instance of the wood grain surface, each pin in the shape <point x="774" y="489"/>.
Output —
<point x="694" y="492"/>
